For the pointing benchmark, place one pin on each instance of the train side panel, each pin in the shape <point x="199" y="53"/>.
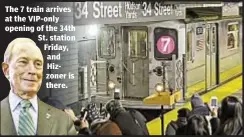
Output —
<point x="230" y="55"/>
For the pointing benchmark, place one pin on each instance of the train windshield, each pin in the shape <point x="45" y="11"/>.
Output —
<point x="107" y="42"/>
<point x="137" y="43"/>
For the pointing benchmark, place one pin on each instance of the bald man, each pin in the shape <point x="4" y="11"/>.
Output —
<point x="22" y="112"/>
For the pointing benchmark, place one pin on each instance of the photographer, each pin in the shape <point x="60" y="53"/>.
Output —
<point x="131" y="122"/>
<point x="99" y="122"/>
<point x="81" y="125"/>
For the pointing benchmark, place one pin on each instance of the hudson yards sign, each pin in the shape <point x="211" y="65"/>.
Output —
<point x="125" y="12"/>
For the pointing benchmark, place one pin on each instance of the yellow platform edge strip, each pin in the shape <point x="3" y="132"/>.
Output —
<point x="154" y="126"/>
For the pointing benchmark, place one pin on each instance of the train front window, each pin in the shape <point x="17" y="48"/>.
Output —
<point x="137" y="43"/>
<point x="233" y="35"/>
<point x="107" y="42"/>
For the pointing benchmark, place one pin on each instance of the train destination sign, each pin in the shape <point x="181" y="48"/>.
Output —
<point x="124" y="12"/>
<point x="166" y="45"/>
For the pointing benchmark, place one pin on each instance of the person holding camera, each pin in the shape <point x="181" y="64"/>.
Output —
<point x="99" y="121"/>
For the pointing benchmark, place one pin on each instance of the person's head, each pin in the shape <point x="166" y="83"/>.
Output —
<point x="231" y="107"/>
<point x="23" y="67"/>
<point x="196" y="101"/>
<point x="113" y="106"/>
<point x="231" y="114"/>
<point x="198" y="106"/>
<point x="183" y="112"/>
<point x="196" y="125"/>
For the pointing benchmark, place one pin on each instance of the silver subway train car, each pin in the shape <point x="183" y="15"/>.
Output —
<point x="192" y="55"/>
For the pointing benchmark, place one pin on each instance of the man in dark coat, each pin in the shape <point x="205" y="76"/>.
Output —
<point x="177" y="127"/>
<point x="201" y="108"/>
<point x="198" y="106"/>
<point x="129" y="122"/>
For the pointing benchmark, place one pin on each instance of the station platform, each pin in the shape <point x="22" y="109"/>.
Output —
<point x="224" y="76"/>
<point x="233" y="87"/>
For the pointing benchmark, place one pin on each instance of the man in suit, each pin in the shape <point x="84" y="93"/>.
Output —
<point x="22" y="112"/>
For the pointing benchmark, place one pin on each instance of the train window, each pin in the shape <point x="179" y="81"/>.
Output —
<point x="233" y="35"/>
<point x="207" y="39"/>
<point x="213" y="38"/>
<point x="207" y="35"/>
<point x="189" y="45"/>
<point x="137" y="43"/>
<point x="107" y="42"/>
<point x="81" y="83"/>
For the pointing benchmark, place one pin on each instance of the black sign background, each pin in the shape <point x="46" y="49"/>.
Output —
<point x="159" y="32"/>
<point x="199" y="30"/>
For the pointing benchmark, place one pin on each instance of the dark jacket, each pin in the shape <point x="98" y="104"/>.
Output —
<point x="140" y="120"/>
<point x="83" y="131"/>
<point x="215" y="124"/>
<point x="126" y="122"/>
<point x="171" y="128"/>
<point x="176" y="127"/>
<point x="238" y="130"/>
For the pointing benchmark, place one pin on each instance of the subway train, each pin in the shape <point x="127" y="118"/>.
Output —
<point x="191" y="55"/>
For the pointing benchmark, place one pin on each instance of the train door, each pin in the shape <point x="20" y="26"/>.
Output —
<point x="107" y="55"/>
<point x="211" y="56"/>
<point x="136" y="62"/>
<point x="86" y="53"/>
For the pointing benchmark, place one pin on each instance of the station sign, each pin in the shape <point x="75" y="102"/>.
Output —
<point x="125" y="12"/>
<point x="166" y="43"/>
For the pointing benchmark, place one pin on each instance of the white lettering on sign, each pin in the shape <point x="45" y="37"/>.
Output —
<point x="81" y="11"/>
<point x="147" y="9"/>
<point x="106" y="11"/>
<point x="125" y="12"/>
<point x="166" y="44"/>
<point x="162" y="10"/>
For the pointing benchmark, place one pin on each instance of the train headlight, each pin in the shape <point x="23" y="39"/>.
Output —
<point x="111" y="85"/>
<point x="159" y="87"/>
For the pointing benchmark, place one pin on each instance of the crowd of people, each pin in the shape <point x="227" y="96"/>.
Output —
<point x="114" y="119"/>
<point x="204" y="120"/>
